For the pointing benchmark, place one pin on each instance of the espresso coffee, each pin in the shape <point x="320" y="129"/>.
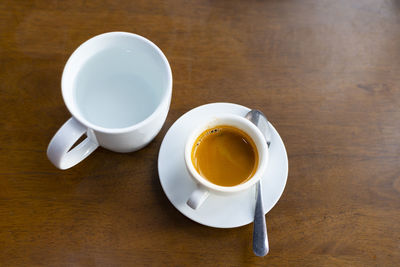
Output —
<point x="225" y="156"/>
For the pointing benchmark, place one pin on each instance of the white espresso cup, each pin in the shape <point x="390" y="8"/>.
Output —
<point x="118" y="88"/>
<point x="204" y="186"/>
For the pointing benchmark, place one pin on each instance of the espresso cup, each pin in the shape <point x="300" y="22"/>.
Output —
<point x="118" y="88"/>
<point x="204" y="185"/>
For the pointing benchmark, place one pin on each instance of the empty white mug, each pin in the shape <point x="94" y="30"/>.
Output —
<point x="118" y="88"/>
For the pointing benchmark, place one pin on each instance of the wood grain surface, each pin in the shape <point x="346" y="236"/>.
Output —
<point x="326" y="73"/>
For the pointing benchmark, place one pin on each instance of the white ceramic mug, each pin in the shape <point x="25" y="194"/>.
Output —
<point x="118" y="88"/>
<point x="205" y="187"/>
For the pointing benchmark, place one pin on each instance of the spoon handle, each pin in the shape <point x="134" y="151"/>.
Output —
<point x="260" y="237"/>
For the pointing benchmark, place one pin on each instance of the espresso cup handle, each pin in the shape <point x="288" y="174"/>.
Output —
<point x="197" y="197"/>
<point x="59" y="152"/>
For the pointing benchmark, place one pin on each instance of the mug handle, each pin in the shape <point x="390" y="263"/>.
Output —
<point x="197" y="197"/>
<point x="59" y="152"/>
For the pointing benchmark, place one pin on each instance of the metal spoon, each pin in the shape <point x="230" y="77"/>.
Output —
<point x="260" y="237"/>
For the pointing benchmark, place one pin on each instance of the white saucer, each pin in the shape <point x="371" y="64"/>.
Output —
<point x="217" y="211"/>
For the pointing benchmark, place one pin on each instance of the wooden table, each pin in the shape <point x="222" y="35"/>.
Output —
<point x="327" y="74"/>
